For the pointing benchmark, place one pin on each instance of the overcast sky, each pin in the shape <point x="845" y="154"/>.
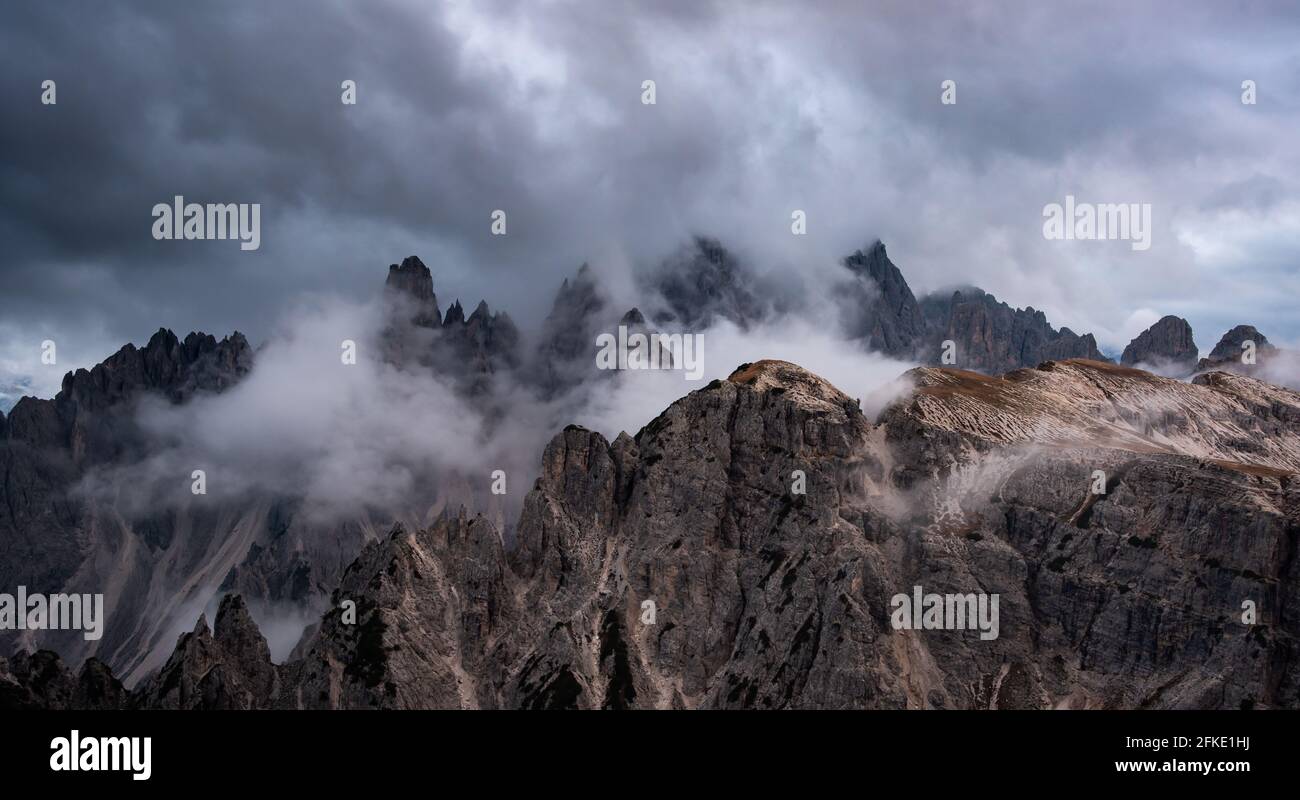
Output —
<point x="535" y="108"/>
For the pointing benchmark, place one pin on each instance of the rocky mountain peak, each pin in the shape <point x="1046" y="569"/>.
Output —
<point x="51" y="530"/>
<point x="992" y="337"/>
<point x="1079" y="402"/>
<point x="704" y="282"/>
<point x="411" y="277"/>
<point x="472" y="349"/>
<point x="165" y="364"/>
<point x="227" y="669"/>
<point x="879" y="306"/>
<point x="564" y="355"/>
<point x="235" y="626"/>
<point x="1229" y="347"/>
<point x="481" y="312"/>
<point x="1229" y="356"/>
<point x="987" y="335"/>
<point x="577" y="298"/>
<point x="874" y="260"/>
<point x="40" y="680"/>
<point x="792" y="382"/>
<point x="412" y="282"/>
<point x="1167" y="346"/>
<point x="80" y="416"/>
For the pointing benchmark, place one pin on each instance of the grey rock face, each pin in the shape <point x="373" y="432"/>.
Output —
<point x="40" y="680"/>
<point x="1166" y="344"/>
<point x="680" y="568"/>
<point x="565" y="352"/>
<point x="992" y="337"/>
<point x="473" y="349"/>
<point x="881" y="310"/>
<point x="1230" y="345"/>
<point x="226" y="669"/>
<point x="469" y="351"/>
<point x="89" y="417"/>
<point x="154" y="568"/>
<point x="430" y="609"/>
<point x="412" y="282"/>
<point x="564" y="358"/>
<point x="988" y="335"/>
<point x="703" y="283"/>
<point x="1228" y="354"/>
<point x="54" y="538"/>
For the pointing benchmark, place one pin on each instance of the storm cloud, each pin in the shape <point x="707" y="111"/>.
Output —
<point x="535" y="109"/>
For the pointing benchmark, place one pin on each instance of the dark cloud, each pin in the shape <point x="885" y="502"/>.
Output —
<point x="535" y="109"/>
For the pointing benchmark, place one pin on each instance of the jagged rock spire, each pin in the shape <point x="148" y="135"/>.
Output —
<point x="412" y="281"/>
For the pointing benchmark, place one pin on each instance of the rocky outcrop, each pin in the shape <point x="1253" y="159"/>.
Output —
<point x="565" y="353"/>
<point x="1219" y="416"/>
<point x="40" y="680"/>
<point x="1166" y="347"/>
<point x="229" y="668"/>
<point x="89" y="417"/>
<point x="55" y="538"/>
<point x="1232" y="354"/>
<point x="986" y="335"/>
<point x="411" y="285"/>
<point x="417" y="621"/>
<point x="472" y="350"/>
<point x="467" y="350"/>
<point x="746" y="549"/>
<point x="1230" y="346"/>
<point x="992" y="337"/>
<point x="703" y="283"/>
<point x="878" y="305"/>
<point x="564" y="359"/>
<point x="12" y="389"/>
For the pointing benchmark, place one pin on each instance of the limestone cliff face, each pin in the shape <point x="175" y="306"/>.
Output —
<point x="89" y="418"/>
<point x="1166" y="345"/>
<point x="466" y="350"/>
<point x="54" y="539"/>
<point x="987" y="335"/>
<point x="882" y="312"/>
<point x="1229" y="346"/>
<point x="226" y="668"/>
<point x="1231" y="353"/>
<point x="992" y="337"/>
<point x="40" y="680"/>
<point x="703" y="283"/>
<point x="681" y="567"/>
<point x="412" y="282"/>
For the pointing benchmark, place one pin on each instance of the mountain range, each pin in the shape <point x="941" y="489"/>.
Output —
<point x="680" y="567"/>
